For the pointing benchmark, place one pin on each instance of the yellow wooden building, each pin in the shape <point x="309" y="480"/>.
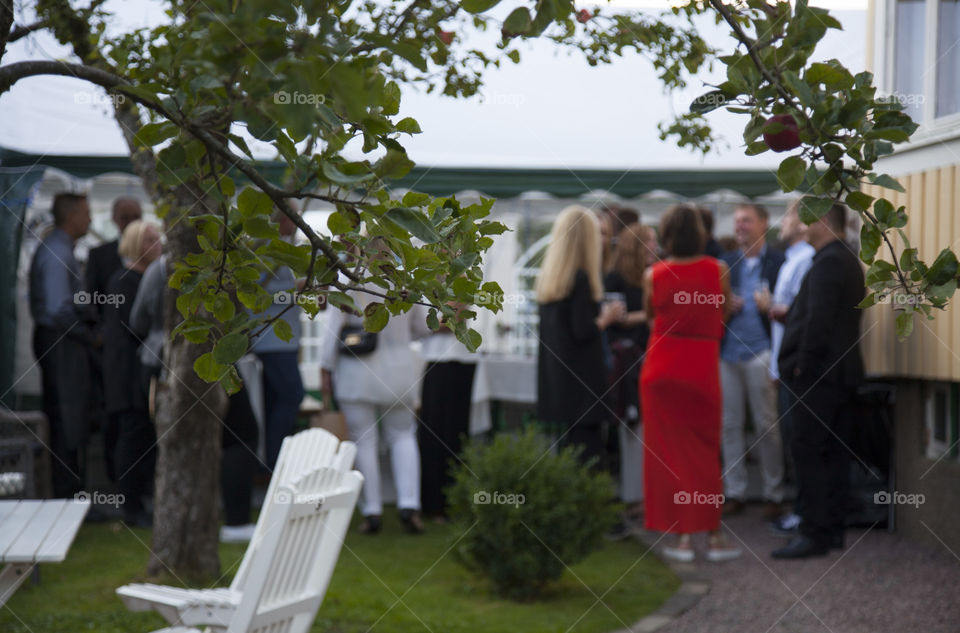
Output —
<point x="913" y="49"/>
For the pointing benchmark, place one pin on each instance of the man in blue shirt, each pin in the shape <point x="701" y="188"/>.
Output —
<point x="745" y="361"/>
<point x="62" y="337"/>
<point x="799" y="258"/>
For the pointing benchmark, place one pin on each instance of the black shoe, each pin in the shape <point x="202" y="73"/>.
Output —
<point x="836" y="541"/>
<point x="412" y="524"/>
<point x="370" y="524"/>
<point x="800" y="547"/>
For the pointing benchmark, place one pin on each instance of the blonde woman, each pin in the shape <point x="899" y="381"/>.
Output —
<point x="124" y="378"/>
<point x="571" y="378"/>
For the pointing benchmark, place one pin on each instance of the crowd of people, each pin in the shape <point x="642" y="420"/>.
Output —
<point x="674" y="340"/>
<point x="656" y="345"/>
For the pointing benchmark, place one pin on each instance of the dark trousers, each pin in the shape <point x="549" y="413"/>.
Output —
<point x="588" y="437"/>
<point x="819" y="445"/>
<point x="135" y="457"/>
<point x="239" y="459"/>
<point x="787" y="406"/>
<point x="444" y="422"/>
<point x="65" y="462"/>
<point x="282" y="394"/>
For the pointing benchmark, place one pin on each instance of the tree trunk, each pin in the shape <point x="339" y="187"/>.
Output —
<point x="188" y="421"/>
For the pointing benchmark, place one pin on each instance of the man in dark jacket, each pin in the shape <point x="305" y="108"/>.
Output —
<point x="102" y="262"/>
<point x="745" y="365"/>
<point x="820" y="362"/>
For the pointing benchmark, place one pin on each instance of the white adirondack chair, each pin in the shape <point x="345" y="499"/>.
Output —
<point x="288" y="564"/>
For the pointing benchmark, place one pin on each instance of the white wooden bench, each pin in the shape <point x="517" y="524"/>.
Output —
<point x="287" y="566"/>
<point x="34" y="532"/>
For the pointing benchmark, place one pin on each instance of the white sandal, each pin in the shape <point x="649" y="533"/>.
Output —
<point x="682" y="553"/>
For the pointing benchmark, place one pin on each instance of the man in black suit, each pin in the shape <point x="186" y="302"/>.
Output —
<point x="820" y="363"/>
<point x="102" y="262"/>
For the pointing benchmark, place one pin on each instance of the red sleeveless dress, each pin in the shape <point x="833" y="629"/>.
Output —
<point x="681" y="399"/>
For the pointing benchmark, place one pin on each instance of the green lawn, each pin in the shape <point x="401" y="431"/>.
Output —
<point x="392" y="582"/>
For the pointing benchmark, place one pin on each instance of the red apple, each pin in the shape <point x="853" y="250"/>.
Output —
<point x="583" y="16"/>
<point x="788" y="136"/>
<point x="446" y="37"/>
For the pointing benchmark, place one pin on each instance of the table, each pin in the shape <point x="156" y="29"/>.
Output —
<point x="35" y="531"/>
<point x="504" y="378"/>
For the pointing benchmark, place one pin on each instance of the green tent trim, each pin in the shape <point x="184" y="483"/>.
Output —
<point x="495" y="182"/>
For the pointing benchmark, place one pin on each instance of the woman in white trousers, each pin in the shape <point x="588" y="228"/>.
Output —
<point x="383" y="386"/>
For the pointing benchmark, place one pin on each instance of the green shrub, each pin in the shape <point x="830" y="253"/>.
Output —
<point x="528" y="513"/>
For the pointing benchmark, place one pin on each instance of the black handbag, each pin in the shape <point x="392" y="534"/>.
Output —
<point x="357" y="341"/>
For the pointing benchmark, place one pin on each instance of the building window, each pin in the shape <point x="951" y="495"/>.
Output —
<point x="942" y="413"/>
<point x="908" y="75"/>
<point x="922" y="66"/>
<point x="948" y="58"/>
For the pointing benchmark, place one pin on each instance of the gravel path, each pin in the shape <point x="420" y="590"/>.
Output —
<point x="880" y="583"/>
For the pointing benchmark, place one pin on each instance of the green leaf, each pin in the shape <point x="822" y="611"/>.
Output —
<point x="869" y="300"/>
<point x="253" y="202"/>
<point x="888" y="182"/>
<point x="414" y="199"/>
<point x="478" y="6"/>
<point x="858" y="200"/>
<point x="340" y="223"/>
<point x="283" y="330"/>
<point x="207" y="368"/>
<point x="518" y="22"/>
<point x="230" y="380"/>
<point x="870" y="240"/>
<point x="260" y="227"/>
<point x="904" y="324"/>
<point x="708" y="102"/>
<point x="813" y="208"/>
<point x="154" y="133"/>
<point x="471" y="340"/>
<point x="408" y="125"/>
<point x="375" y="317"/>
<point x="415" y="223"/>
<point x="791" y="173"/>
<point x="223" y="308"/>
<point x="230" y="348"/>
<point x="883" y="211"/>
<point x="943" y="269"/>
<point x="333" y="174"/>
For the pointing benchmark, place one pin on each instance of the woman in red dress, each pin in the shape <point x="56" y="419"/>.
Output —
<point x="686" y="295"/>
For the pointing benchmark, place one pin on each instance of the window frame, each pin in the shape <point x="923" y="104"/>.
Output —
<point x="933" y="129"/>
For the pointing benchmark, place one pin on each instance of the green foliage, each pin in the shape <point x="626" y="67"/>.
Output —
<point x="844" y="128"/>
<point x="308" y="79"/>
<point x="528" y="514"/>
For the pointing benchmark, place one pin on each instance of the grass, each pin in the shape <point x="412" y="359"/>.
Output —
<point x="391" y="582"/>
